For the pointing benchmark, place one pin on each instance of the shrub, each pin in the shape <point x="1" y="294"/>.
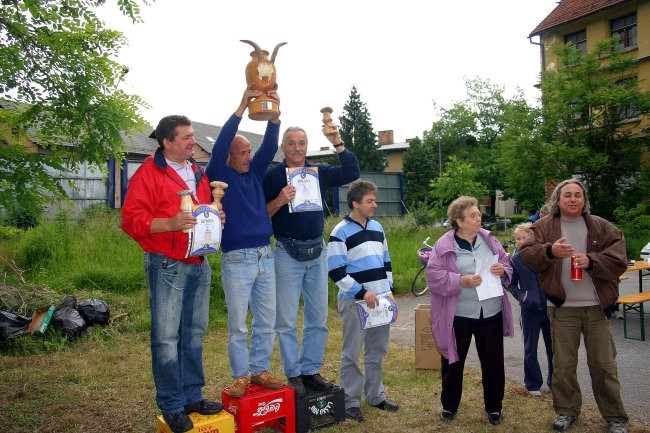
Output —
<point x="8" y="232"/>
<point x="635" y="225"/>
<point x="42" y="245"/>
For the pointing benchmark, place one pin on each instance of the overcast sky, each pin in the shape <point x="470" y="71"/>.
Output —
<point x="187" y="58"/>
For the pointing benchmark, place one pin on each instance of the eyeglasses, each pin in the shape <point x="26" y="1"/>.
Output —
<point x="475" y="215"/>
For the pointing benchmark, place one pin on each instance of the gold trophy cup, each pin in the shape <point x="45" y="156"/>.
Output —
<point x="260" y="75"/>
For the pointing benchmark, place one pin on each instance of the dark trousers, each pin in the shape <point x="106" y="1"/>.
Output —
<point x="488" y="336"/>
<point x="532" y="322"/>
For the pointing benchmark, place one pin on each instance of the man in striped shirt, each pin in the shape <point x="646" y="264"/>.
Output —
<point x="359" y="264"/>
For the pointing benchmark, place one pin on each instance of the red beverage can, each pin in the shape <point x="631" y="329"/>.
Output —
<point x="576" y="272"/>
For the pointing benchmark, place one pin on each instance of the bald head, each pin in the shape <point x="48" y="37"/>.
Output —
<point x="239" y="157"/>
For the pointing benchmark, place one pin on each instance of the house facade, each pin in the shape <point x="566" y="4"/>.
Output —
<point x="585" y="22"/>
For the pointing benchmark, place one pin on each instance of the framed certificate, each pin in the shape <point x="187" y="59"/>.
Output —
<point x="205" y="237"/>
<point x="305" y="180"/>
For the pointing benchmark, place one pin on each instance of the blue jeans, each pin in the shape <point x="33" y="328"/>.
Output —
<point x="291" y="279"/>
<point x="248" y="278"/>
<point x="179" y="296"/>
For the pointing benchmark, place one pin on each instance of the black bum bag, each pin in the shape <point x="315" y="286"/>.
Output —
<point x="302" y="250"/>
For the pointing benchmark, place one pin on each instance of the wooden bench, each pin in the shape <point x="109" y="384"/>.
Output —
<point x="634" y="303"/>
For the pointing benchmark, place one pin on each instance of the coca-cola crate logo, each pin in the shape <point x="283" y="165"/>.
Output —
<point x="322" y="407"/>
<point x="265" y="407"/>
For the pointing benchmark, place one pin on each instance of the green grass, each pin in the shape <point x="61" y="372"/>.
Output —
<point x="102" y="381"/>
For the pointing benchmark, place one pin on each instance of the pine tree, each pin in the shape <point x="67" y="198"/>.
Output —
<point x="358" y="136"/>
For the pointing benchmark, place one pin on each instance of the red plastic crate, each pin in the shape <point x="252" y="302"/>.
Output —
<point x="261" y="408"/>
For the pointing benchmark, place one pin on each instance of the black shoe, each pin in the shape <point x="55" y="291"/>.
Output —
<point x="386" y="405"/>
<point x="297" y="385"/>
<point x="317" y="382"/>
<point x="178" y="422"/>
<point x="494" y="418"/>
<point x="447" y="415"/>
<point x="354" y="413"/>
<point x="204" y="407"/>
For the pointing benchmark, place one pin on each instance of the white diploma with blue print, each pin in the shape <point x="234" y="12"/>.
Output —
<point x="384" y="313"/>
<point x="305" y="180"/>
<point x="205" y="237"/>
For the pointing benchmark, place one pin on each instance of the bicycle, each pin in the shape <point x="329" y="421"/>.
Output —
<point x="419" y="284"/>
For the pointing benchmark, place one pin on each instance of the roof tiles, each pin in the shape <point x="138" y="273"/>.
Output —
<point x="570" y="10"/>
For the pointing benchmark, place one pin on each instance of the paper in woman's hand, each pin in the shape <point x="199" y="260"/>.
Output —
<point x="491" y="285"/>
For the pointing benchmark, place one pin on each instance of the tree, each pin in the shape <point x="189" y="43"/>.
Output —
<point x="471" y="130"/>
<point x="358" y="136"/>
<point x="592" y="109"/>
<point x="59" y="85"/>
<point x="457" y="179"/>
<point x="420" y="168"/>
<point x="520" y="153"/>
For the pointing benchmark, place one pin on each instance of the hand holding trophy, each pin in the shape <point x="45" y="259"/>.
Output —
<point x="329" y="128"/>
<point x="261" y="76"/>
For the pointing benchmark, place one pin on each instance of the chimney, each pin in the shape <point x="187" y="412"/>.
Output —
<point x="385" y="137"/>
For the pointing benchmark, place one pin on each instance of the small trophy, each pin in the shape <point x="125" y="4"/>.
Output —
<point x="186" y="204"/>
<point x="260" y="75"/>
<point x="217" y="193"/>
<point x="328" y="128"/>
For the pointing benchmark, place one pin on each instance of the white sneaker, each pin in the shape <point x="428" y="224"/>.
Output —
<point x="617" y="314"/>
<point x="536" y="393"/>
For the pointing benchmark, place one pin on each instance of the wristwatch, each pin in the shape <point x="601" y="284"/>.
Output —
<point x="338" y="145"/>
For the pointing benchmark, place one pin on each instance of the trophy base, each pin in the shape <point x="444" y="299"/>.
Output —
<point x="263" y="109"/>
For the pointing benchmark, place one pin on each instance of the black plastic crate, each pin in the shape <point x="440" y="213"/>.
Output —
<point x="319" y="409"/>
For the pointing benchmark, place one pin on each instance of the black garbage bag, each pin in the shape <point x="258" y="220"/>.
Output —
<point x="12" y="325"/>
<point x="69" y="322"/>
<point x="68" y="301"/>
<point x="94" y="312"/>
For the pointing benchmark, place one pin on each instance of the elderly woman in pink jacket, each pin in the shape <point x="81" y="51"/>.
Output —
<point x="465" y="304"/>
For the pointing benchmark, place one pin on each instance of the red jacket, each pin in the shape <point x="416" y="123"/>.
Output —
<point x="152" y="194"/>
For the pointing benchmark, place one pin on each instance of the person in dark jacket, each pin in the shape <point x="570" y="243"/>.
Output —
<point x="525" y="289"/>
<point x="295" y="274"/>
<point x="579" y="307"/>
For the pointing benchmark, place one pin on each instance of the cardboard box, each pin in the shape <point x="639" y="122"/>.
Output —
<point x="40" y="320"/>
<point x="222" y="422"/>
<point x="426" y="352"/>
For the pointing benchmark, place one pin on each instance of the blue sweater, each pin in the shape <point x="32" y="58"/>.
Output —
<point x="247" y="221"/>
<point x="524" y="284"/>
<point x="358" y="259"/>
<point x="307" y="225"/>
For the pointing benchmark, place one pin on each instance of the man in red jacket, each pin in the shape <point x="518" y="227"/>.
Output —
<point x="179" y="287"/>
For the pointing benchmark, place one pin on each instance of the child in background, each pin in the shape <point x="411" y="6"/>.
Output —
<point x="525" y="289"/>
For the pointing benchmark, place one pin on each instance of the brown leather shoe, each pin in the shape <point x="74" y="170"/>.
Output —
<point x="238" y="387"/>
<point x="267" y="380"/>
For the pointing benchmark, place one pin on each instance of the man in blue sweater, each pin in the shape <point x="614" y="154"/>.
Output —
<point x="296" y="273"/>
<point x="247" y="270"/>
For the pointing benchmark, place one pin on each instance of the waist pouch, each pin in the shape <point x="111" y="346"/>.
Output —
<point x="302" y="250"/>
